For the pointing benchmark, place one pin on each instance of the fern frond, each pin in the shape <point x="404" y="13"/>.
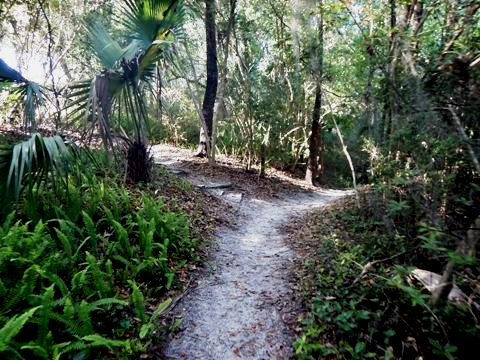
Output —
<point x="38" y="350"/>
<point x="65" y="241"/>
<point x="122" y="237"/>
<point x="98" y="276"/>
<point x="106" y="302"/>
<point x="44" y="319"/>
<point x="13" y="327"/>
<point x="148" y="328"/>
<point x="138" y="302"/>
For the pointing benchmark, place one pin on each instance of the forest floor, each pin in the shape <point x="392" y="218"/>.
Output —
<point x="242" y="305"/>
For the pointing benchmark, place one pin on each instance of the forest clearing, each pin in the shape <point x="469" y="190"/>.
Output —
<point x="239" y="179"/>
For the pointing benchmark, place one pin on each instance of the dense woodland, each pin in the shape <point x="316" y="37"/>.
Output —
<point x="382" y="97"/>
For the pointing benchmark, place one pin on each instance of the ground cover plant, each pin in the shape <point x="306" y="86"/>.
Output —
<point x="85" y="268"/>
<point x="362" y="300"/>
<point x="378" y="96"/>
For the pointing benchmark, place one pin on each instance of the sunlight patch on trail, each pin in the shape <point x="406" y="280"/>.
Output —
<point x="236" y="310"/>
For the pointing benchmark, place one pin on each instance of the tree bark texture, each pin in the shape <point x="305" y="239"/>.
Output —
<point x="212" y="77"/>
<point x="315" y="141"/>
<point x="218" y="113"/>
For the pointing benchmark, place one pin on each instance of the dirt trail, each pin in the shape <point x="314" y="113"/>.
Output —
<point x="236" y="310"/>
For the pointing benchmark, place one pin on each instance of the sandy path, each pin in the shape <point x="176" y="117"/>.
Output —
<point x="235" y="310"/>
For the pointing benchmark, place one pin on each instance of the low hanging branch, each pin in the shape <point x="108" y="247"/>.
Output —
<point x="369" y="266"/>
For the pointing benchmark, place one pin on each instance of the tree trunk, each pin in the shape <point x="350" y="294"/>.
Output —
<point x="315" y="141"/>
<point x="218" y="114"/>
<point x="212" y="79"/>
<point x="391" y="83"/>
<point x="247" y="91"/>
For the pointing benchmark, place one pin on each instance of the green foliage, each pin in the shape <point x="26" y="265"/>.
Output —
<point x="32" y="159"/>
<point x="119" y="92"/>
<point x="360" y="310"/>
<point x="28" y="94"/>
<point x="66" y="271"/>
<point x="12" y="328"/>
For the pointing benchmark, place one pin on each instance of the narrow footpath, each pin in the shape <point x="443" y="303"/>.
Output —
<point x="237" y="309"/>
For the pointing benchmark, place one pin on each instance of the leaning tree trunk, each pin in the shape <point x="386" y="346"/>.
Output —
<point x="212" y="79"/>
<point x="315" y="141"/>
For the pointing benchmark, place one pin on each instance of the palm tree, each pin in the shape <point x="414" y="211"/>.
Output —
<point x="119" y="90"/>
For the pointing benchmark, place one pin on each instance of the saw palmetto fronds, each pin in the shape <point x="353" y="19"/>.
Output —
<point x="150" y="27"/>
<point x="120" y="88"/>
<point x="29" y="94"/>
<point x="28" y="163"/>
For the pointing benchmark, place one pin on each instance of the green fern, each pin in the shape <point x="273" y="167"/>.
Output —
<point x="106" y="302"/>
<point x="44" y="319"/>
<point x="84" y="318"/>
<point x="13" y="327"/>
<point x="147" y="329"/>
<point x="122" y="237"/>
<point x="90" y="341"/>
<point x="146" y="233"/>
<point x="91" y="232"/>
<point x="64" y="239"/>
<point x="98" y="276"/>
<point x="79" y="283"/>
<point x="21" y="290"/>
<point x="53" y="278"/>
<point x="37" y="350"/>
<point x="138" y="302"/>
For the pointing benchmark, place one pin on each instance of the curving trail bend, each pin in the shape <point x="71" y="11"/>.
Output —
<point x="236" y="310"/>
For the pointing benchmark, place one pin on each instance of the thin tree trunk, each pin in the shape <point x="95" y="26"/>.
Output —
<point x="159" y="95"/>
<point x="350" y="163"/>
<point x="392" y="67"/>
<point x="249" y="121"/>
<point x="218" y="113"/>
<point x="50" y="64"/>
<point x="205" y="147"/>
<point x="195" y="98"/>
<point x="315" y="141"/>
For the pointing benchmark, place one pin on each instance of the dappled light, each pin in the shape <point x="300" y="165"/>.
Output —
<point x="239" y="179"/>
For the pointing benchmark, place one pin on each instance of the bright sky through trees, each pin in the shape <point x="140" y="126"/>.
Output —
<point x="33" y="70"/>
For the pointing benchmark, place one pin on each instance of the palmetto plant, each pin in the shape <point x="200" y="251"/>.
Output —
<point x="29" y="93"/>
<point x="31" y="161"/>
<point x="119" y="90"/>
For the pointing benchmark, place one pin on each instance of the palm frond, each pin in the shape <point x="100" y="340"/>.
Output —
<point x="31" y="160"/>
<point x="148" y="20"/>
<point x="104" y="47"/>
<point x="29" y="93"/>
<point x="33" y="98"/>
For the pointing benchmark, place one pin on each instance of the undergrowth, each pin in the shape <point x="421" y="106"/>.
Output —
<point x="378" y="311"/>
<point x="82" y="268"/>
